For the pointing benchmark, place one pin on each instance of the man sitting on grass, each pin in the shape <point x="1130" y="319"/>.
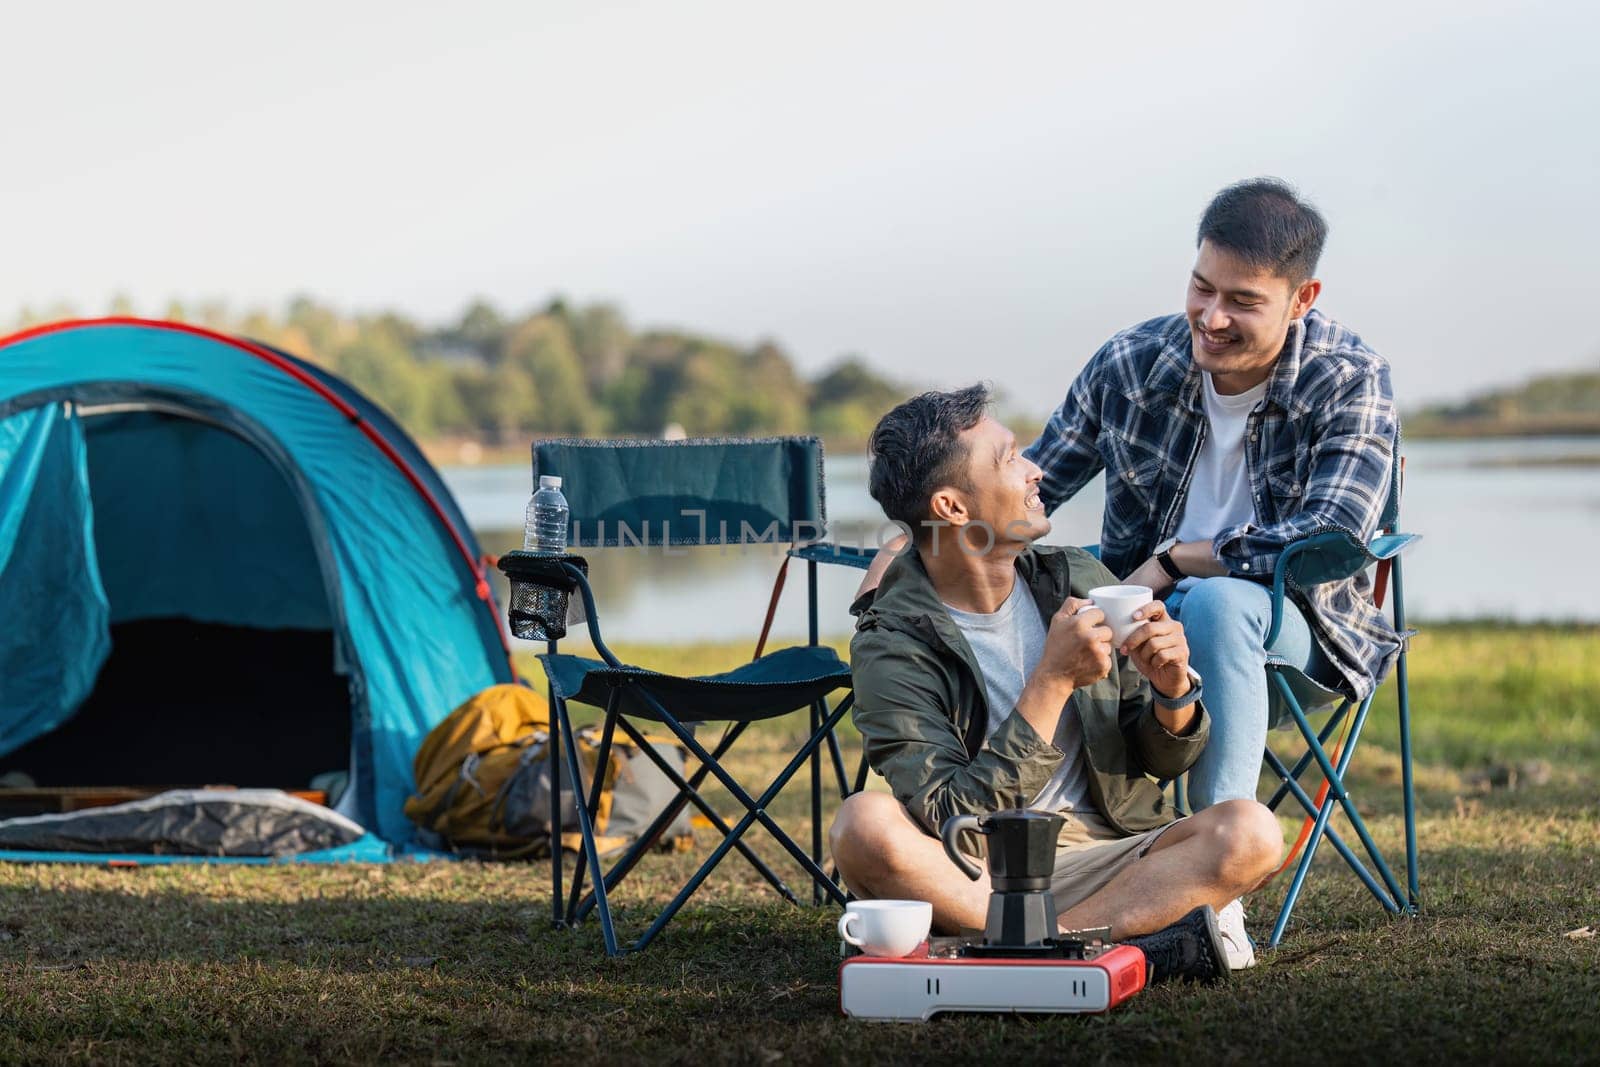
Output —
<point x="978" y="679"/>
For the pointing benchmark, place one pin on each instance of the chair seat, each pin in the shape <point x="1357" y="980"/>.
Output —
<point x="1313" y="695"/>
<point x="776" y="684"/>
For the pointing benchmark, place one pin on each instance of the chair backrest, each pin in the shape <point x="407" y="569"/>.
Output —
<point x="700" y="491"/>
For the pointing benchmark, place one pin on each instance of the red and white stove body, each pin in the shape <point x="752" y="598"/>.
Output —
<point x="915" y="988"/>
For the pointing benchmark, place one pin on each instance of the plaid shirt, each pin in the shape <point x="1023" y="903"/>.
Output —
<point x="1319" y="447"/>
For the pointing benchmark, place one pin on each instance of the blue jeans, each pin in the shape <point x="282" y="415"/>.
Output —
<point x="1226" y="622"/>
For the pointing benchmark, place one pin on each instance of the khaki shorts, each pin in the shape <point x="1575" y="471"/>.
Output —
<point x="1089" y="853"/>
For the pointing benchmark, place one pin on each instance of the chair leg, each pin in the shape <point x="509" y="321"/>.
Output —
<point x="1335" y="778"/>
<point x="1180" y="794"/>
<point x="687" y="794"/>
<point x="755" y="811"/>
<point x="556" y="919"/>
<point x="844" y="788"/>
<point x="1404" y="701"/>
<point x="1313" y="810"/>
<point x="861" y="773"/>
<point x="816" y="806"/>
<point x="811" y="608"/>
<point x="758" y="807"/>
<point x="1300" y="872"/>
<point x="1336" y="793"/>
<point x="594" y="795"/>
<point x="838" y="764"/>
<point x="591" y="852"/>
<point x="1305" y="759"/>
<point x="1413" y="892"/>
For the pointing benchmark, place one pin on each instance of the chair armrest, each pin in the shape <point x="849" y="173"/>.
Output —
<point x="566" y="573"/>
<point x="1388" y="546"/>
<point x="1332" y="555"/>
<point x="842" y="555"/>
<point x="1328" y="556"/>
<point x="590" y="617"/>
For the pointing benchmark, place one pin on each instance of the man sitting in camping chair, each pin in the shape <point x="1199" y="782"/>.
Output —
<point x="979" y="677"/>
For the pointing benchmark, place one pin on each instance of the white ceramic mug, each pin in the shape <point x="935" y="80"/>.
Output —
<point x="886" y="927"/>
<point x="1119" y="602"/>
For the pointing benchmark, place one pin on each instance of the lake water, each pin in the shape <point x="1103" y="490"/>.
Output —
<point x="1509" y="530"/>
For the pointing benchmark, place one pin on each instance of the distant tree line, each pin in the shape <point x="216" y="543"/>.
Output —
<point x="561" y="370"/>
<point x="1562" y="403"/>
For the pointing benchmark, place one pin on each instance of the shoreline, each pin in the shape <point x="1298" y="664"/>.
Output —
<point x="470" y="452"/>
<point x="1473" y="429"/>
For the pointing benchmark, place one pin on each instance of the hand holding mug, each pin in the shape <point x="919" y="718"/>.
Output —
<point x="1078" y="646"/>
<point x="1159" y="649"/>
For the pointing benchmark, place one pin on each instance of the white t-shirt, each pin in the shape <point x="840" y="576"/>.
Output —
<point x="1009" y="644"/>
<point x="1219" y="491"/>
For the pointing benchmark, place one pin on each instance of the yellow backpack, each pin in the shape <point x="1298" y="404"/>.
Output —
<point x="483" y="778"/>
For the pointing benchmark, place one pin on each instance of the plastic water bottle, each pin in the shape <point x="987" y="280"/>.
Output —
<point x="546" y="519"/>
<point x="545" y="532"/>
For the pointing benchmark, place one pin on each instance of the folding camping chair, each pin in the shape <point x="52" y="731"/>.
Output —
<point x="667" y="495"/>
<point x="1311" y="561"/>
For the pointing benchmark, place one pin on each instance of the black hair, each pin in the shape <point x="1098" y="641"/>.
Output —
<point x="1264" y="222"/>
<point x="915" y="449"/>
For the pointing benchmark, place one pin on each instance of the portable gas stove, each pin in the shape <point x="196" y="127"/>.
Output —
<point x="1018" y="962"/>
<point x="1079" y="974"/>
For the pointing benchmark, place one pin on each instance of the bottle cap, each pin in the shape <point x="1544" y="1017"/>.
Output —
<point x="549" y="481"/>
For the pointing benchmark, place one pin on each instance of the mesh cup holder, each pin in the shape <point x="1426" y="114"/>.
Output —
<point x="541" y="594"/>
<point x="537" y="612"/>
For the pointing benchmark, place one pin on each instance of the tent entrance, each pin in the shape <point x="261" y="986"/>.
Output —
<point x="181" y="703"/>
<point x="222" y="667"/>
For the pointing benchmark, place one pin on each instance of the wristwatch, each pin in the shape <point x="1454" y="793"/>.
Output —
<point x="1174" y="703"/>
<point x="1164" y="557"/>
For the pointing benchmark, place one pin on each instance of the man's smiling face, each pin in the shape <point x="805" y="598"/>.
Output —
<point x="1239" y="316"/>
<point x="1005" y="484"/>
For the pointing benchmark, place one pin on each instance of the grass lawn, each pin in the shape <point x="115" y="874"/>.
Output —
<point x="456" y="963"/>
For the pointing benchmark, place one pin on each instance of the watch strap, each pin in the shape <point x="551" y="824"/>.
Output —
<point x="1164" y="557"/>
<point x="1174" y="703"/>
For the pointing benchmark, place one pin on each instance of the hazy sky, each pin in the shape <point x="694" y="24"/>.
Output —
<point x="952" y="190"/>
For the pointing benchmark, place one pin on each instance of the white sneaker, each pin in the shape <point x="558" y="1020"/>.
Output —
<point x="1236" y="943"/>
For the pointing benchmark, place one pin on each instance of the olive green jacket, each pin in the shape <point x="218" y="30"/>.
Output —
<point x="922" y="708"/>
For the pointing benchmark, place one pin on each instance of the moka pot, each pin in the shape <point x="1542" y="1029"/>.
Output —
<point x="1021" y="855"/>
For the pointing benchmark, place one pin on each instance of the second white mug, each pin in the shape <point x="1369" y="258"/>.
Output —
<point x="886" y="927"/>
<point x="1119" y="602"/>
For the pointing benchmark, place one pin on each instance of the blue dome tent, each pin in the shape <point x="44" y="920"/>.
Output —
<point x="223" y="564"/>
